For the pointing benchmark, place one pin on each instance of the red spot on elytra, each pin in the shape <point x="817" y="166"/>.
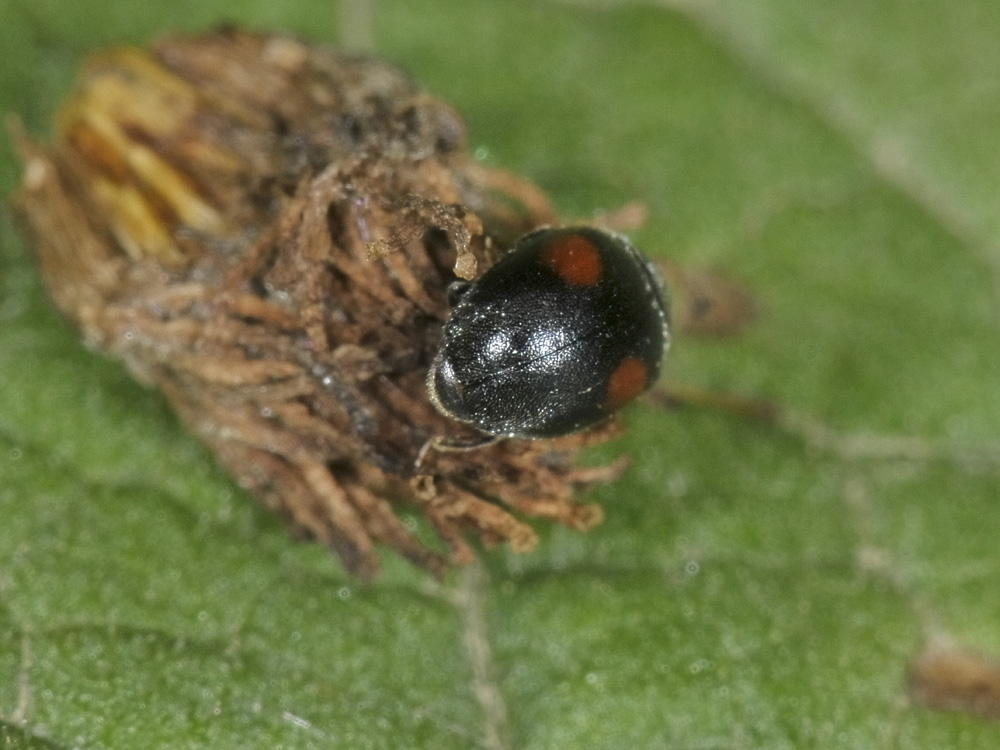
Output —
<point x="575" y="260"/>
<point x="627" y="381"/>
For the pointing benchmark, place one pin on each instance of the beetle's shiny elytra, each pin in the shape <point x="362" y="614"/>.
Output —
<point x="567" y="327"/>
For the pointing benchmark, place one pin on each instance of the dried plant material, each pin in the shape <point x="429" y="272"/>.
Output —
<point x="948" y="678"/>
<point x="706" y="303"/>
<point x="266" y="231"/>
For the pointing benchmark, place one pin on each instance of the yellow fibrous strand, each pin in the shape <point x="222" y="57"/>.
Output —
<point x="131" y="123"/>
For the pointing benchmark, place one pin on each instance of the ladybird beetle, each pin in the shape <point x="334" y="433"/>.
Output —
<point x="564" y="329"/>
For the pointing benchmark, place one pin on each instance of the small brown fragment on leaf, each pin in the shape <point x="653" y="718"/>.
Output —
<point x="707" y="304"/>
<point x="947" y="677"/>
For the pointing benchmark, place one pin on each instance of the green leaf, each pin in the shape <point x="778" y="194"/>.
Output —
<point x="753" y="586"/>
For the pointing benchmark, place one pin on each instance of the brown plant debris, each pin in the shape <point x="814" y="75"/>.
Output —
<point x="950" y="678"/>
<point x="265" y="230"/>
